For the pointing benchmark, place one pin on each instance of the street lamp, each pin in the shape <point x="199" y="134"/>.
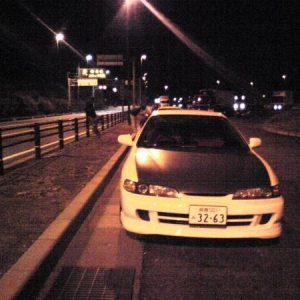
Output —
<point x="284" y="81"/>
<point x="59" y="37"/>
<point x="143" y="57"/>
<point x="129" y="2"/>
<point x="88" y="58"/>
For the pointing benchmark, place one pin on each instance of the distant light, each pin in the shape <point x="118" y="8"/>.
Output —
<point x="114" y="89"/>
<point x="243" y="97"/>
<point x="107" y="72"/>
<point x="156" y="100"/>
<point x="277" y="107"/>
<point x="242" y="106"/>
<point x="89" y="57"/>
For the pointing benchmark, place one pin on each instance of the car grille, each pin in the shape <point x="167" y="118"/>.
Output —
<point x="232" y="220"/>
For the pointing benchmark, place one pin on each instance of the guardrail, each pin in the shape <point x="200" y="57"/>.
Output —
<point x="35" y="138"/>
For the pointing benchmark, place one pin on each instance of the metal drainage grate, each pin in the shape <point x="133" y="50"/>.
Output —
<point x="93" y="283"/>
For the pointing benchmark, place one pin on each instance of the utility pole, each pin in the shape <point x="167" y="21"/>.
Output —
<point x="133" y="83"/>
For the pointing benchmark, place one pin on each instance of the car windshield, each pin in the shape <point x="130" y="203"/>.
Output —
<point x="190" y="132"/>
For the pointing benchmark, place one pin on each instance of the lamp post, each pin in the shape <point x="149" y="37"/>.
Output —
<point x="143" y="57"/>
<point x="59" y="37"/>
<point x="284" y="81"/>
<point x="88" y="58"/>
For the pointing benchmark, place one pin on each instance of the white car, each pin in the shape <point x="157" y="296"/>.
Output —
<point x="191" y="173"/>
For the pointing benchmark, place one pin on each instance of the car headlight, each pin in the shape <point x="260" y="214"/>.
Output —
<point x="242" y="106"/>
<point x="257" y="193"/>
<point x="150" y="189"/>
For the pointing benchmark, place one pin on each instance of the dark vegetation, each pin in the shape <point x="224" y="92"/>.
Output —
<point x="22" y="103"/>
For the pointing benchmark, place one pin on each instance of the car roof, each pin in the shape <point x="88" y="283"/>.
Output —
<point x="168" y="107"/>
<point x="188" y="112"/>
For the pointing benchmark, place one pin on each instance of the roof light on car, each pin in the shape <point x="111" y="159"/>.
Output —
<point x="257" y="193"/>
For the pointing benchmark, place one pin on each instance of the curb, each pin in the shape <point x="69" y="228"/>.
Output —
<point x="281" y="132"/>
<point x="25" y="278"/>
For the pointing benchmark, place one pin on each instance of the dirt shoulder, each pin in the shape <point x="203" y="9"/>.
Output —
<point x="34" y="194"/>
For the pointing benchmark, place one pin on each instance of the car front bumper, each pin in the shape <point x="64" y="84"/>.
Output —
<point x="169" y="216"/>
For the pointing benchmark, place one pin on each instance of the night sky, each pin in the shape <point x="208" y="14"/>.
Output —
<point x="257" y="40"/>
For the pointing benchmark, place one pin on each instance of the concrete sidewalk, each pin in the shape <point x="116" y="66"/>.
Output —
<point x="25" y="274"/>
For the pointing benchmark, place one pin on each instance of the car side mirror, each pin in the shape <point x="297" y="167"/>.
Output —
<point x="255" y="142"/>
<point x="125" y="139"/>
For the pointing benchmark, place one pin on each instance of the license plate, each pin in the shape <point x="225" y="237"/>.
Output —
<point x="208" y="215"/>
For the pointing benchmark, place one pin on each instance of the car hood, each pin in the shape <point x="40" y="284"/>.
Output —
<point x="203" y="173"/>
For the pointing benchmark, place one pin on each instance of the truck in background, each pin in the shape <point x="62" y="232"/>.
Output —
<point x="215" y="100"/>
<point x="277" y="101"/>
<point x="164" y="100"/>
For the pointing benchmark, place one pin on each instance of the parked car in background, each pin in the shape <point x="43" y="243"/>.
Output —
<point x="191" y="173"/>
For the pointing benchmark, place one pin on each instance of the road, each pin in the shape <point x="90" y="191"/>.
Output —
<point x="182" y="268"/>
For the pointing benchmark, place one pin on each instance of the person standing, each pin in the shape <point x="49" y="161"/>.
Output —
<point x="92" y="116"/>
<point x="138" y="117"/>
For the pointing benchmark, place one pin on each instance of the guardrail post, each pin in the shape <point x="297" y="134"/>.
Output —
<point x="61" y="134"/>
<point x="102" y="123"/>
<point x="76" y="130"/>
<point x="87" y="126"/>
<point x="1" y="154"/>
<point x="107" y="121"/>
<point x="37" y="141"/>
